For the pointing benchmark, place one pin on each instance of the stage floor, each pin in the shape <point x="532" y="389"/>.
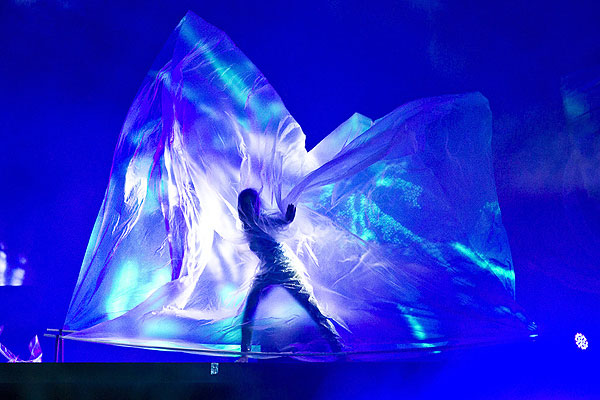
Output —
<point x="532" y="370"/>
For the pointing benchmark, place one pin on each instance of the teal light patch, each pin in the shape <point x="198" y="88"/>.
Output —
<point x="356" y="209"/>
<point x="482" y="262"/>
<point x="230" y="78"/>
<point x="368" y="235"/>
<point x="151" y="202"/>
<point x="230" y="296"/>
<point x="326" y="193"/>
<point x="226" y="331"/>
<point x="275" y="108"/>
<point x="188" y="33"/>
<point x="230" y="347"/>
<point x="265" y="109"/>
<point x="211" y="112"/>
<point x="418" y="331"/>
<point x="359" y="223"/>
<point x="140" y="135"/>
<point x="575" y="104"/>
<point x="244" y="123"/>
<point x="493" y="208"/>
<point x="132" y="286"/>
<point x="224" y="71"/>
<point x="323" y="203"/>
<point x="370" y="223"/>
<point x="384" y="182"/>
<point x="410" y="191"/>
<point x="159" y="278"/>
<point x="117" y="302"/>
<point x="162" y="328"/>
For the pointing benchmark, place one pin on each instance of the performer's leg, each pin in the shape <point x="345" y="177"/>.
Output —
<point x="249" y="311"/>
<point x="309" y="303"/>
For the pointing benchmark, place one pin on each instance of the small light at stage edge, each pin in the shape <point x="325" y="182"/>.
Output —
<point x="581" y="341"/>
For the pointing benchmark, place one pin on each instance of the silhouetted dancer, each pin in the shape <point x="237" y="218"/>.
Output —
<point x="275" y="269"/>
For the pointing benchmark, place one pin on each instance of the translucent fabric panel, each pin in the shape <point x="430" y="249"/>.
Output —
<point x="398" y="230"/>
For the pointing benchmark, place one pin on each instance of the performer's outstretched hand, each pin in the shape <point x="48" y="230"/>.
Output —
<point x="290" y="214"/>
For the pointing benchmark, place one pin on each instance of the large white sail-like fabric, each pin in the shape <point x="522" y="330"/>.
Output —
<point x="398" y="228"/>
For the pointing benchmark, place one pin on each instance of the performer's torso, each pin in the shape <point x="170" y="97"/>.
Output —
<point x="266" y="248"/>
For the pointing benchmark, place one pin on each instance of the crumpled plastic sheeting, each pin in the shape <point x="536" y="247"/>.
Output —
<point x="35" y="351"/>
<point x="398" y="228"/>
<point x="581" y="177"/>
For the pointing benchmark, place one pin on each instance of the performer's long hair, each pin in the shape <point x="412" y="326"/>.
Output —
<point x="248" y="207"/>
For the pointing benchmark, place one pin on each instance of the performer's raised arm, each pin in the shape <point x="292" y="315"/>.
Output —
<point x="275" y="222"/>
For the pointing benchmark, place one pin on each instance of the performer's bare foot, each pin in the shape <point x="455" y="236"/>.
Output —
<point x="242" y="359"/>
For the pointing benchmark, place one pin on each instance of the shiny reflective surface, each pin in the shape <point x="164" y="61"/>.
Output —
<point x="35" y="352"/>
<point x="398" y="228"/>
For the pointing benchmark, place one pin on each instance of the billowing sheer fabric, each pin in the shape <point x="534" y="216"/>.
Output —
<point x="397" y="235"/>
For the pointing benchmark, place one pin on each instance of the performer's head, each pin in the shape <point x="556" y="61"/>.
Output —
<point x="248" y="205"/>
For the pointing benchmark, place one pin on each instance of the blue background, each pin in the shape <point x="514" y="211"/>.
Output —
<point x="69" y="70"/>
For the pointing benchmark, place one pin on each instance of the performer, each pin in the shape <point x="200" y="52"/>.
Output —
<point x="275" y="269"/>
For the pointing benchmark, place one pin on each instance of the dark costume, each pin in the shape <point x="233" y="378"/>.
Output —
<point x="275" y="269"/>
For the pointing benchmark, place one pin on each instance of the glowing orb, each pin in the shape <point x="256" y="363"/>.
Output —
<point x="581" y="341"/>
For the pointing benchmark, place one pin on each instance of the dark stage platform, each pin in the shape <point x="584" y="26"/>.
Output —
<point x="532" y="370"/>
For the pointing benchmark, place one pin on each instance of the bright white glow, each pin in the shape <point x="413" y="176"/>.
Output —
<point x="3" y="266"/>
<point x="18" y="275"/>
<point x="581" y="341"/>
<point x="136" y="181"/>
